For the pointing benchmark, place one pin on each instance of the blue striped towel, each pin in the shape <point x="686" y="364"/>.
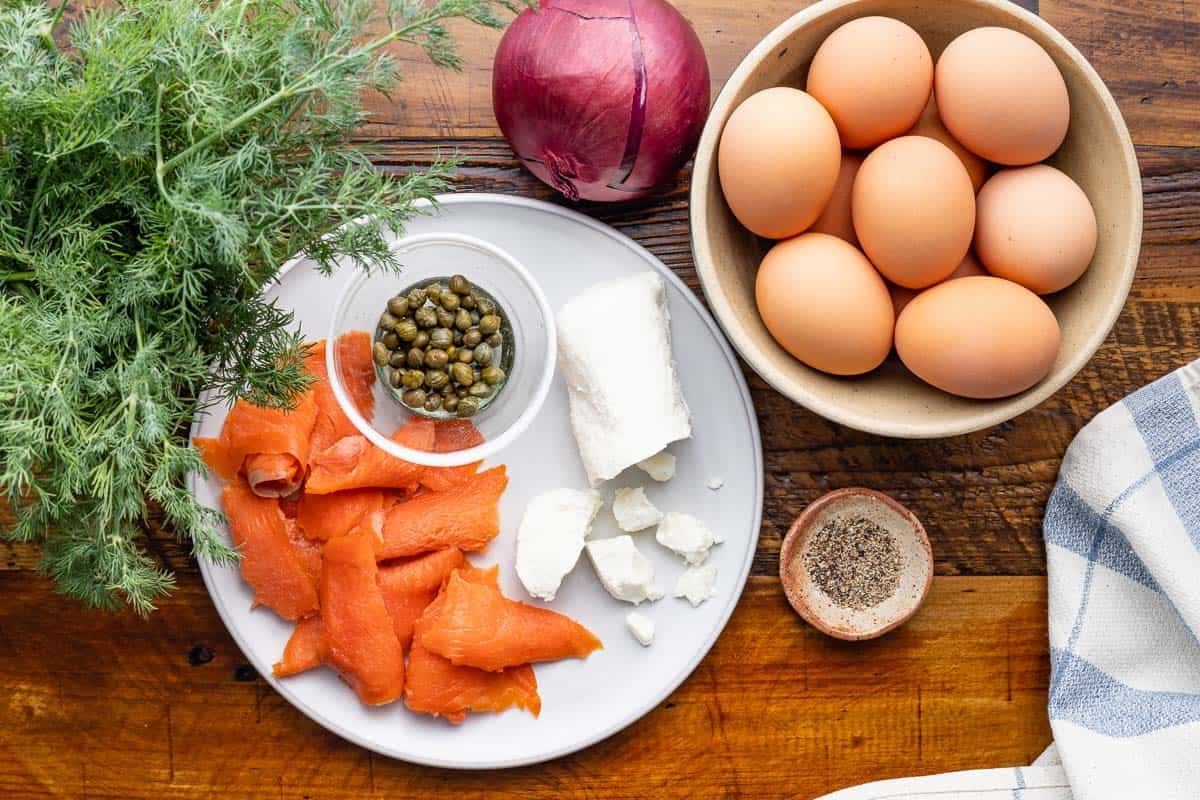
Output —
<point x="1122" y="533"/>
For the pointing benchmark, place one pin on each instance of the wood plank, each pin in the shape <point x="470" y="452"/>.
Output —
<point x="112" y="706"/>
<point x="1144" y="51"/>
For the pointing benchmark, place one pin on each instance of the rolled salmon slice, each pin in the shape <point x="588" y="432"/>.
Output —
<point x="354" y="463"/>
<point x="409" y="586"/>
<point x="270" y="562"/>
<point x="360" y="639"/>
<point x="270" y="446"/>
<point x="466" y="517"/>
<point x="436" y="686"/>
<point x="474" y="625"/>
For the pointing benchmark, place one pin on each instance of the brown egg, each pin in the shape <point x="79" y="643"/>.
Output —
<point x="874" y="74"/>
<point x="914" y="210"/>
<point x="930" y="124"/>
<point x="825" y="304"/>
<point x="836" y="218"/>
<point x="1001" y="95"/>
<point x="979" y="337"/>
<point x="1035" y="226"/>
<point x="901" y="297"/>
<point x="778" y="161"/>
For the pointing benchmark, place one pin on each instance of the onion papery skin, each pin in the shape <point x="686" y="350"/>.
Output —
<point x="601" y="99"/>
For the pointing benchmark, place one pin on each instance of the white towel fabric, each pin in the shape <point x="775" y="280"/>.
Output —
<point x="1122" y="533"/>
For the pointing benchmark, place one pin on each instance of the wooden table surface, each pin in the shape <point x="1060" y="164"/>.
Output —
<point x="106" y="705"/>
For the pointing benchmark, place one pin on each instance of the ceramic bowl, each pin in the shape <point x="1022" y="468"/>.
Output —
<point x="915" y="571"/>
<point x="1097" y="154"/>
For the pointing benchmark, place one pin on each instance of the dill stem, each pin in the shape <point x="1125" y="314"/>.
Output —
<point x="13" y="277"/>
<point x="296" y="87"/>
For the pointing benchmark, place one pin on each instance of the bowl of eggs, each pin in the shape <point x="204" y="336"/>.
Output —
<point x="916" y="219"/>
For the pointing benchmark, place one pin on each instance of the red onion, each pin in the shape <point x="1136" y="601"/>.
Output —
<point x="601" y="99"/>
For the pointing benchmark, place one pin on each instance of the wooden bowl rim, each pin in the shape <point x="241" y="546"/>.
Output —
<point x="991" y="412"/>
<point x="799" y="532"/>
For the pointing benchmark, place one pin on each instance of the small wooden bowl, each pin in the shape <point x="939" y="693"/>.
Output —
<point x="916" y="571"/>
<point x="890" y="401"/>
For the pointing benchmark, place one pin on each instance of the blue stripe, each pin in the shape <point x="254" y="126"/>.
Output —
<point x="1019" y="792"/>
<point x="1164" y="417"/>
<point x="1072" y="524"/>
<point x="1090" y="697"/>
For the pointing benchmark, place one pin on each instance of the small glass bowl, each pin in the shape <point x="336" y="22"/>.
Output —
<point x="529" y="337"/>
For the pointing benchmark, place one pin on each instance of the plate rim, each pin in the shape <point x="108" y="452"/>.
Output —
<point x="734" y="596"/>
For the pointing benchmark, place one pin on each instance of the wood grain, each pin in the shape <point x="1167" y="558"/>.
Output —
<point x="111" y="706"/>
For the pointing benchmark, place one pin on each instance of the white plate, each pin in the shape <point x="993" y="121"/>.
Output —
<point x="582" y="701"/>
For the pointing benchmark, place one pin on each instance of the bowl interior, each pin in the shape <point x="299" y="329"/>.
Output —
<point x="528" y="333"/>
<point x="1097" y="154"/>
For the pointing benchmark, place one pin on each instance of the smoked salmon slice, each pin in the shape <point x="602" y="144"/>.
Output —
<point x="323" y="516"/>
<point x="474" y="625"/>
<point x="466" y="517"/>
<point x="435" y="686"/>
<point x="357" y="372"/>
<point x="270" y="562"/>
<point x="354" y="463"/>
<point x="409" y="586"/>
<point x="305" y="649"/>
<point x="269" y="445"/>
<point x="451" y="435"/>
<point x="360" y="640"/>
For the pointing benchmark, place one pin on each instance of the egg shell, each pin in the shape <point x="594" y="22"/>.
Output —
<point x="778" y="161"/>
<point x="979" y="337"/>
<point x="836" y="219"/>
<point x="914" y="210"/>
<point x="1002" y="96"/>
<point x="901" y="297"/>
<point x="930" y="124"/>
<point x="874" y="74"/>
<point x="825" y="304"/>
<point x="1035" y="226"/>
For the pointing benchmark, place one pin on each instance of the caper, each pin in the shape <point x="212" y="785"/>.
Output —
<point x="451" y="352"/>
<point x="492" y="375"/>
<point x="479" y="390"/>
<point x="433" y="291"/>
<point x="462" y="320"/>
<point x="489" y="324"/>
<point x="485" y="306"/>
<point x="459" y="284"/>
<point x="445" y="318"/>
<point x="416" y="298"/>
<point x="462" y="374"/>
<point x="425" y="317"/>
<point x="465" y="355"/>
<point x="388" y="320"/>
<point x="415" y="358"/>
<point x="397" y="359"/>
<point x="433" y="402"/>
<point x="412" y="379"/>
<point x="441" y="338"/>
<point x="390" y="340"/>
<point x="474" y="317"/>
<point x="380" y="354"/>
<point x="450" y="403"/>
<point x="414" y="398"/>
<point x="448" y="390"/>
<point x="495" y="340"/>
<point x="398" y="306"/>
<point x="462" y="391"/>
<point x="468" y="301"/>
<point x="395" y="378"/>
<point x="436" y="359"/>
<point x="483" y="355"/>
<point x="406" y="329"/>
<point x="436" y="379"/>
<point x="422" y="340"/>
<point x="450" y="301"/>
<point x="468" y="407"/>
<point x="458" y="338"/>
<point x="472" y="337"/>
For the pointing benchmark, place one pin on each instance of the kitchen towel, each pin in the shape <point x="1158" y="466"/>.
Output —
<point x="1122" y="532"/>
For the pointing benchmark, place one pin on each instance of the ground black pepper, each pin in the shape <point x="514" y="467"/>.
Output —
<point x="854" y="561"/>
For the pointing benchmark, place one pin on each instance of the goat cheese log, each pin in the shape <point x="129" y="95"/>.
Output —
<point x="614" y="348"/>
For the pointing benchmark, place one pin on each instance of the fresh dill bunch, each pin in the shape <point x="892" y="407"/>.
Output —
<point x="158" y="162"/>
